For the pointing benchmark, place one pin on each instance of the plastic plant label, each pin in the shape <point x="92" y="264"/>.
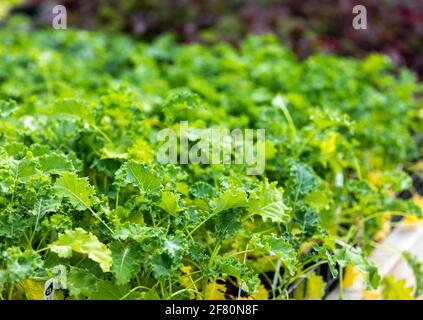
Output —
<point x="49" y="290"/>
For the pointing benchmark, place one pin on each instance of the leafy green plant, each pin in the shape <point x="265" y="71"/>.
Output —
<point x="80" y="186"/>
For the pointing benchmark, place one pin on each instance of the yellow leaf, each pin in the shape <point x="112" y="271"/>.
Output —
<point x="311" y="289"/>
<point x="351" y="273"/>
<point x="4" y="9"/>
<point x="371" y="295"/>
<point x="384" y="231"/>
<point x="373" y="178"/>
<point x="411" y="220"/>
<point x="215" y="291"/>
<point x="396" y="290"/>
<point x="6" y="6"/>
<point x="261" y="294"/>
<point x="186" y="269"/>
<point x="33" y="289"/>
<point x="264" y="264"/>
<point x="417" y="167"/>
<point x="295" y="231"/>
<point x="328" y="146"/>
<point x="418" y="200"/>
<point x="235" y="245"/>
<point x="305" y="246"/>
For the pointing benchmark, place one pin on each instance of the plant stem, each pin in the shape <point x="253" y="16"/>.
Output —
<point x="244" y="261"/>
<point x="214" y="254"/>
<point x="101" y="220"/>
<point x="10" y="297"/>
<point x="201" y="223"/>
<point x="275" y="276"/>
<point x="341" y="284"/>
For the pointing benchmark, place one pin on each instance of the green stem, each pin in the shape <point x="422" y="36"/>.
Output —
<point x="152" y="218"/>
<point x="10" y="297"/>
<point x="356" y="163"/>
<point x="244" y="261"/>
<point x="162" y="290"/>
<point x="101" y="220"/>
<point x="105" y="136"/>
<point x="43" y="249"/>
<point x="35" y="227"/>
<point x="214" y="254"/>
<point x="201" y="223"/>
<point x="276" y="276"/>
<point x="117" y="198"/>
<point x="288" y="118"/>
<point x="133" y="290"/>
<point x="341" y="283"/>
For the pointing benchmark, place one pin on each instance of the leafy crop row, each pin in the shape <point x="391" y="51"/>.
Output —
<point x="80" y="186"/>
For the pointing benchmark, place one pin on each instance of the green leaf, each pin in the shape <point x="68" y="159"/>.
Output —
<point x="302" y="180"/>
<point x="3" y="279"/>
<point x="20" y="264"/>
<point x="55" y="163"/>
<point x="45" y="205"/>
<point x="231" y="266"/>
<point x="12" y="225"/>
<point x="77" y="190"/>
<point x="7" y="108"/>
<point x="138" y="233"/>
<point x="174" y="246"/>
<point x="73" y="108"/>
<point x="142" y="176"/>
<point x="278" y="247"/>
<point x="80" y="282"/>
<point x="22" y="170"/>
<point x="228" y="223"/>
<point x="107" y="290"/>
<point x="201" y="189"/>
<point x="162" y="266"/>
<point x="307" y="220"/>
<point x="231" y="198"/>
<point x="169" y="203"/>
<point x="80" y="241"/>
<point x="127" y="259"/>
<point x="267" y="202"/>
<point x="356" y="257"/>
